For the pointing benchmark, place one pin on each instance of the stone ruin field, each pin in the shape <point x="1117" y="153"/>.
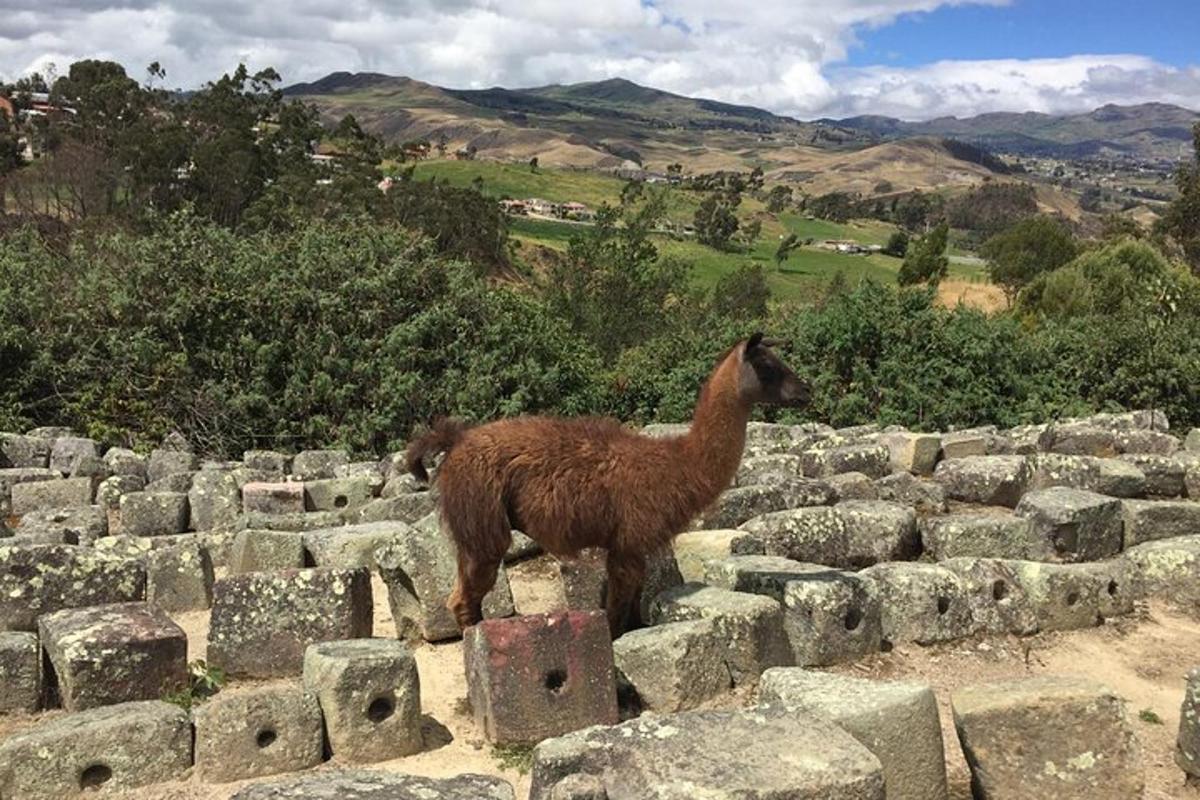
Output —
<point x="867" y="613"/>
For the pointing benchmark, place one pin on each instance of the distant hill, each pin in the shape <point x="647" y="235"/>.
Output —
<point x="1151" y="131"/>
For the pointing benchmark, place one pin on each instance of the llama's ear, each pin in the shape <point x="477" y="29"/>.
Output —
<point x="754" y="341"/>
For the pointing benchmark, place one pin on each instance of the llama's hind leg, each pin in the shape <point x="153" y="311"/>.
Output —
<point x="475" y="579"/>
<point x="626" y="571"/>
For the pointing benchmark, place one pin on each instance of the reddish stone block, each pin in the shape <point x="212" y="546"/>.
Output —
<point x="273" y="498"/>
<point x="534" y="677"/>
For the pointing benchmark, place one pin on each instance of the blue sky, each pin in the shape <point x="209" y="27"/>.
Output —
<point x="1166" y="30"/>
<point x="912" y="59"/>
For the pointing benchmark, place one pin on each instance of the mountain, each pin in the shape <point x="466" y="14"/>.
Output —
<point x="1146" y="132"/>
<point x="602" y="124"/>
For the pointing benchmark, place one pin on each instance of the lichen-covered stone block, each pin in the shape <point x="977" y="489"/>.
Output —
<point x="17" y="450"/>
<point x="66" y="449"/>
<point x="925" y="496"/>
<point x="538" y="676"/>
<point x="214" y="500"/>
<point x="115" y="747"/>
<point x="336" y="494"/>
<point x="262" y="622"/>
<point x="311" y="465"/>
<point x="164" y="462"/>
<point x="1187" y="741"/>
<point x="850" y="535"/>
<point x="273" y="498"/>
<point x="154" y="513"/>
<point x="739" y="504"/>
<point x="1147" y="520"/>
<point x="1064" y="596"/>
<point x="103" y="655"/>
<point x="20" y="673"/>
<point x="869" y="458"/>
<point x="1164" y="474"/>
<point x="914" y="453"/>
<point x="249" y="733"/>
<point x="370" y="696"/>
<point x="377" y="785"/>
<point x="769" y="469"/>
<point x="419" y="570"/>
<point x="351" y="545"/>
<point x="42" y="579"/>
<point x="922" y="603"/>
<point x="723" y="755"/>
<point x="998" y="600"/>
<point x="270" y="461"/>
<point x="673" y="667"/>
<point x="984" y="536"/>
<point x="81" y="525"/>
<point x="121" y="461"/>
<point x="897" y="721"/>
<point x="1052" y="737"/>
<point x="852" y="486"/>
<point x="987" y="480"/>
<point x="257" y="550"/>
<point x="41" y="494"/>
<point x="1079" y="525"/>
<point x="409" y="507"/>
<point x="1168" y="569"/>
<point x="694" y="549"/>
<point x="750" y="626"/>
<point x="11" y="476"/>
<point x="180" y="577"/>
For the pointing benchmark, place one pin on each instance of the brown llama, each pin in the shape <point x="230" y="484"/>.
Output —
<point x="570" y="484"/>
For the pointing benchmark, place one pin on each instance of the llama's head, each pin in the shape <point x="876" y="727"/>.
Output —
<point x="765" y="378"/>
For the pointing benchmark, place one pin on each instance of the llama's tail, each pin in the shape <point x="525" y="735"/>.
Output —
<point x="444" y="434"/>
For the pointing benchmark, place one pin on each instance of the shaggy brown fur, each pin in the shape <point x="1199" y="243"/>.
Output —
<point x="570" y="484"/>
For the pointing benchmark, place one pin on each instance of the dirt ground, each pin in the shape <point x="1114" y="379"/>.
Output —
<point x="1143" y="658"/>
<point x="987" y="297"/>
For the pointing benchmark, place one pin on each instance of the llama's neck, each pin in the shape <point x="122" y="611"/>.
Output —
<point x="717" y="436"/>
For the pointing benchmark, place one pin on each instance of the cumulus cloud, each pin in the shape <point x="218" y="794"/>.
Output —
<point x="778" y="54"/>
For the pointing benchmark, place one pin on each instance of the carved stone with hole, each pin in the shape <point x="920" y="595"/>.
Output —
<point x="103" y="655"/>
<point x="922" y="603"/>
<point x="249" y="733"/>
<point x="998" y="601"/>
<point x="115" y="747"/>
<point x="1064" y="596"/>
<point x="370" y="696"/>
<point x="1078" y="525"/>
<point x="337" y="494"/>
<point x="538" y="676"/>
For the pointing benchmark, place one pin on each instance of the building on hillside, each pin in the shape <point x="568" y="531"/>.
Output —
<point x="517" y="208"/>
<point x="543" y="208"/>
<point x="574" y="211"/>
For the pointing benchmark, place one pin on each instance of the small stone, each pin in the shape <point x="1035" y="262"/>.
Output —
<point x="20" y="673"/>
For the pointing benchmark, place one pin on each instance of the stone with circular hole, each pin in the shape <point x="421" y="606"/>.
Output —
<point x="922" y="603"/>
<point x="247" y="733"/>
<point x="1063" y="596"/>
<point x="533" y="677"/>
<point x="1078" y="525"/>
<point x="997" y="599"/>
<point x="338" y="494"/>
<point x="113" y="748"/>
<point x="370" y="695"/>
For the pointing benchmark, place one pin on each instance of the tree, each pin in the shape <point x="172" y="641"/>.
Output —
<point x="786" y="246"/>
<point x="742" y="294"/>
<point x="1026" y="249"/>
<point x="897" y="245"/>
<point x="749" y="233"/>
<point x="926" y="260"/>
<point x="715" y="221"/>
<point x="779" y="198"/>
<point x="912" y="211"/>
<point x="1182" y="218"/>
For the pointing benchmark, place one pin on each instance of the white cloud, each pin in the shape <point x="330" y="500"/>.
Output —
<point x="778" y="54"/>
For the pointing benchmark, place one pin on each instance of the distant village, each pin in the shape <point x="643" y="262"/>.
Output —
<point x="39" y="106"/>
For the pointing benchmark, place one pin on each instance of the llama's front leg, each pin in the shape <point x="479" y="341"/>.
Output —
<point x="475" y="579"/>
<point x="626" y="572"/>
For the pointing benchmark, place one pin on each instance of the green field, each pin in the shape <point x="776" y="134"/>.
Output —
<point x="805" y="273"/>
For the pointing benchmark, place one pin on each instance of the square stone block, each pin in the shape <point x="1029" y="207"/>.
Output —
<point x="248" y="733"/>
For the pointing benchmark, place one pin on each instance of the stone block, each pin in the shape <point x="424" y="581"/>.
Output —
<point x="1164" y="474"/>
<point x="370" y="697"/>
<point x="522" y="547"/>
<point x="81" y="525"/>
<point x="17" y="450"/>
<point x="988" y="480"/>
<point x="1064" y="596"/>
<point x="273" y="498"/>
<point x="852" y="486"/>
<point x="925" y="496"/>
<point x="44" y="495"/>
<point x="104" y="655"/>
<point x="1168" y="569"/>
<point x="409" y="507"/>
<point x="249" y="733"/>
<point x="1079" y="525"/>
<point x="749" y="626"/>
<point x="769" y="469"/>
<point x="1187" y="741"/>
<point x="984" y="536"/>
<point x="694" y="549"/>
<point x="1191" y="442"/>
<point x="922" y="603"/>
<point x="1147" y="442"/>
<point x="294" y="522"/>
<point x="20" y="673"/>
<point x="10" y="477"/>
<point x="533" y="677"/>
<point x="1147" y="520"/>
<point x="1052" y="737"/>
<point x="722" y="755"/>
<point x="377" y="785"/>
<point x="312" y="465"/>
<point x="419" y="570"/>
<point x="164" y="462"/>
<point x="265" y="551"/>
<point x="154" y="513"/>
<point x="180" y="577"/>
<point x="115" y="748"/>
<point x="109" y="494"/>
<point x="176" y="482"/>
<point x="965" y="444"/>
<point x="351" y="545"/>
<point x="1108" y="476"/>
<point x="914" y="453"/>
<point x="263" y="621"/>
<point x="850" y="535"/>
<point x="997" y="598"/>
<point x="896" y="721"/>
<point x="88" y="465"/>
<point x="871" y="459"/>
<point x="121" y="461"/>
<point x="1116" y="587"/>
<point x="50" y="432"/>
<point x="673" y="667"/>
<point x="214" y="500"/>
<point x="1079" y="439"/>
<point x="64" y="451"/>
<point x="739" y="504"/>
<point x="1191" y="474"/>
<point x="337" y="494"/>
<point x="42" y="579"/>
<point x="270" y="461"/>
